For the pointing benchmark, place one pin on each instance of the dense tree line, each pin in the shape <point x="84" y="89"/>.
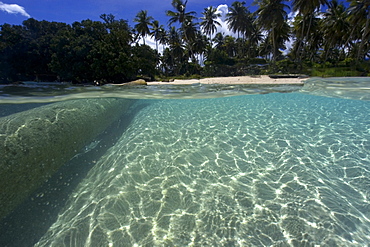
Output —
<point x="323" y="34"/>
<point x="82" y="52"/>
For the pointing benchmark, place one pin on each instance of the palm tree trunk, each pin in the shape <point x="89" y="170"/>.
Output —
<point x="274" y="46"/>
<point x="326" y="53"/>
<point x="189" y="45"/>
<point x="364" y="34"/>
<point x="299" y="59"/>
<point x="308" y="33"/>
<point x="350" y="36"/>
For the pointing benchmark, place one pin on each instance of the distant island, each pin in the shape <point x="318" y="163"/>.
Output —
<point x="330" y="43"/>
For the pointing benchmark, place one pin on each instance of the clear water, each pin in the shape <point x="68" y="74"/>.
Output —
<point x="273" y="169"/>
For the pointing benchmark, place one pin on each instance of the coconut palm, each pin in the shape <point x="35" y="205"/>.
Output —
<point x="272" y="18"/>
<point x="219" y="39"/>
<point x="176" y="50"/>
<point x="314" y="38"/>
<point x="209" y="23"/>
<point x="199" y="46"/>
<point x="143" y="22"/>
<point x="360" y="17"/>
<point x="185" y="19"/>
<point x="158" y="33"/>
<point x="163" y="37"/>
<point x="189" y="34"/>
<point x="252" y="43"/>
<point x="180" y="15"/>
<point x="281" y="36"/>
<point x="230" y="46"/>
<point x="174" y="37"/>
<point x="189" y="30"/>
<point x="306" y="8"/>
<point x="239" y="19"/>
<point x="336" y="27"/>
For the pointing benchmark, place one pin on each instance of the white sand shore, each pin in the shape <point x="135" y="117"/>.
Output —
<point x="263" y="79"/>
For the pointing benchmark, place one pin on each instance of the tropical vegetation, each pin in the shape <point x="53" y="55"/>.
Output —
<point x="323" y="38"/>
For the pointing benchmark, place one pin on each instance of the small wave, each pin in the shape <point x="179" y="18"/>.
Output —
<point x="342" y="87"/>
<point x="21" y="94"/>
<point x="357" y="88"/>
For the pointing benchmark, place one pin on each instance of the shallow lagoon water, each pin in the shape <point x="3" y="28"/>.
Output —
<point x="273" y="169"/>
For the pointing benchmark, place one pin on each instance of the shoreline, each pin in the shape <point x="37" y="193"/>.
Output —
<point x="263" y="80"/>
<point x="232" y="80"/>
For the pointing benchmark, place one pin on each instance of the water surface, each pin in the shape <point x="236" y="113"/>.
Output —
<point x="273" y="169"/>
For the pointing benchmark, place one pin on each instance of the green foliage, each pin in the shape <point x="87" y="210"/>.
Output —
<point x="287" y="66"/>
<point x="216" y="56"/>
<point x="25" y="49"/>
<point x="82" y="52"/>
<point x="209" y="22"/>
<point x="257" y="60"/>
<point x="335" y="72"/>
<point x="344" y="68"/>
<point x="330" y="41"/>
<point x="143" y="22"/>
<point x="145" y="60"/>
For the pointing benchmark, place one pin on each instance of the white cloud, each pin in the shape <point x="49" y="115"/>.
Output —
<point x="223" y="9"/>
<point x="289" y="44"/>
<point x="224" y="29"/>
<point x="13" y="9"/>
<point x="151" y="42"/>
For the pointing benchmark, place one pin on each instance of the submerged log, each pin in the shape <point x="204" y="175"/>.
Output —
<point x="35" y="143"/>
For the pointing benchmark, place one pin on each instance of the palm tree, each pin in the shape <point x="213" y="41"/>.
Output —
<point x="254" y="40"/>
<point x="209" y="23"/>
<point x="230" y="46"/>
<point x="314" y="36"/>
<point x="176" y="50"/>
<point x="158" y="33"/>
<point x="272" y="18"/>
<point x="360" y="17"/>
<point x="163" y="37"/>
<point x="180" y="15"/>
<point x="143" y="23"/>
<point x="185" y="19"/>
<point x="189" y="34"/>
<point x="239" y="19"/>
<point x="336" y="27"/>
<point x="199" y="44"/>
<point x="219" y="39"/>
<point x="189" y="30"/>
<point x="306" y="8"/>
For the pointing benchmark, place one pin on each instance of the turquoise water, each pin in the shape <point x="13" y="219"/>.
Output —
<point x="277" y="169"/>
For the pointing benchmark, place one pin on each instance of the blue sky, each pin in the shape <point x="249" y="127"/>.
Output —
<point x="68" y="11"/>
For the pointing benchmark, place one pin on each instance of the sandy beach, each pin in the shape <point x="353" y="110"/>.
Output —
<point x="263" y="79"/>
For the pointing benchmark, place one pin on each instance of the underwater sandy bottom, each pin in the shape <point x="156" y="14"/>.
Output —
<point x="254" y="170"/>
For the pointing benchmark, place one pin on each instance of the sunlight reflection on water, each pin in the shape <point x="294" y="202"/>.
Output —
<point x="198" y="167"/>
